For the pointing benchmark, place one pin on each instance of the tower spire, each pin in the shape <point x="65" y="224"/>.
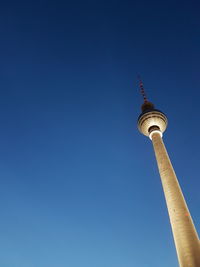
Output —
<point x="142" y="89"/>
<point x="147" y="105"/>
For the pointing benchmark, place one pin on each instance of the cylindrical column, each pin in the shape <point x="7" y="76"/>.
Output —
<point x="185" y="235"/>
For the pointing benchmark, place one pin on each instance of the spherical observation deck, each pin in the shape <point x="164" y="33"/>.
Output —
<point x="151" y="119"/>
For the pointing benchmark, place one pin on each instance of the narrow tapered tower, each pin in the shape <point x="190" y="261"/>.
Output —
<point x="153" y="123"/>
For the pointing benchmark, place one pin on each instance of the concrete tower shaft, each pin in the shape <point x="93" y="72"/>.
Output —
<point x="185" y="236"/>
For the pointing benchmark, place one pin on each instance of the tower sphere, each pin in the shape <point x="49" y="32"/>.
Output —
<point x="151" y="119"/>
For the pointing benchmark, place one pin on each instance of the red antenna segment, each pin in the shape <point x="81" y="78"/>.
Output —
<point x="142" y="89"/>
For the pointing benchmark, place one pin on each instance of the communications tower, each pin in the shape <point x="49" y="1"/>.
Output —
<point x="153" y="123"/>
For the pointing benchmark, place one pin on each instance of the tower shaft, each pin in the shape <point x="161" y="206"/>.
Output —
<point x="185" y="236"/>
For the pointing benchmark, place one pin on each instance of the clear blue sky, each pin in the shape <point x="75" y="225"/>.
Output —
<point x="79" y="186"/>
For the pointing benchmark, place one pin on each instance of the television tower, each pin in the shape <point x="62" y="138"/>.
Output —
<point x="153" y="123"/>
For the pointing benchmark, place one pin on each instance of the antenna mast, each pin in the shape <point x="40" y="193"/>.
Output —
<point x="142" y="89"/>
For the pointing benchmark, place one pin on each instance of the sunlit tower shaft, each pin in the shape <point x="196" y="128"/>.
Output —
<point x="153" y="123"/>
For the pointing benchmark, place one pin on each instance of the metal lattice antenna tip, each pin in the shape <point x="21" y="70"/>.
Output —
<point x="147" y="105"/>
<point x="142" y="89"/>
